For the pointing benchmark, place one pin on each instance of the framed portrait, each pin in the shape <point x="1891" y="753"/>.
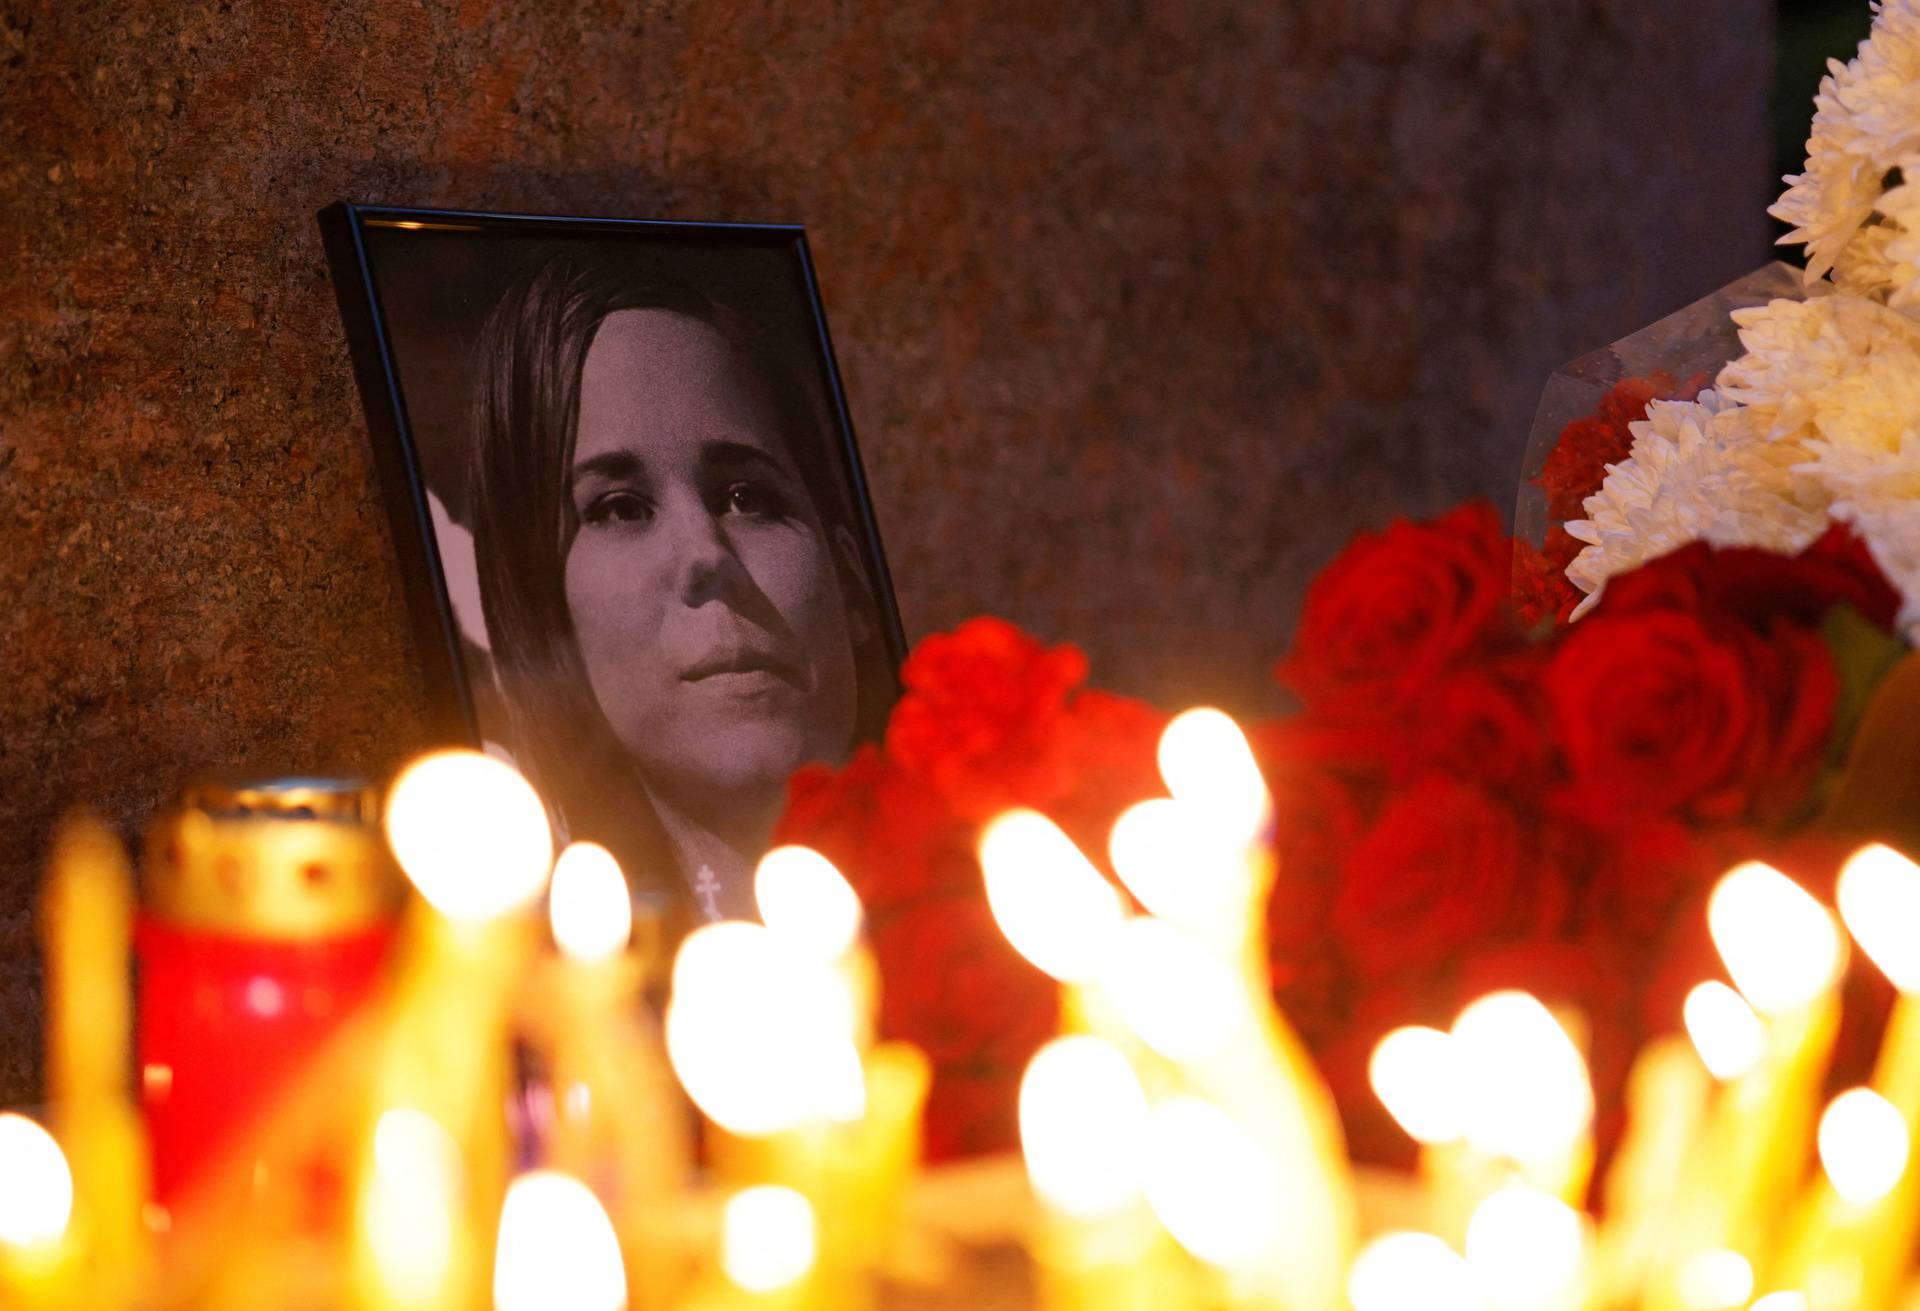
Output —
<point x="630" y="517"/>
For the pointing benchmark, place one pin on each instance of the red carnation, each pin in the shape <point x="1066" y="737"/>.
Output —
<point x="1396" y="607"/>
<point x="979" y="716"/>
<point x="1577" y="465"/>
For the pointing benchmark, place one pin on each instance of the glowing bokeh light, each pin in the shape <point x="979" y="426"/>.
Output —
<point x="1178" y="861"/>
<point x="557" y="1249"/>
<point x="1728" y="1035"/>
<point x="470" y="833"/>
<point x="1879" y="898"/>
<point x="588" y="905"/>
<point x="1415" y="1072"/>
<point x="1050" y="902"/>
<point x="1781" y="946"/>
<point x="1718" y="1279"/>
<point x="1524" y="1087"/>
<point x="1208" y="765"/>
<point x="1081" y="1113"/>
<point x="411" y="1201"/>
<point x="768" y="1238"/>
<point x="1179" y="998"/>
<point x="807" y="901"/>
<point x="1408" y="1271"/>
<point x="1527" y="1250"/>
<point x="1210" y="1183"/>
<point x="36" y="1184"/>
<point x="1863" y="1145"/>
<point x="760" y="1035"/>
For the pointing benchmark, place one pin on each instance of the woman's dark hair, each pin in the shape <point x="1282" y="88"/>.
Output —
<point x="525" y="413"/>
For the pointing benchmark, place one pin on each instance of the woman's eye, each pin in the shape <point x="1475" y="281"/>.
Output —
<point x="752" y="498"/>
<point x="618" y="507"/>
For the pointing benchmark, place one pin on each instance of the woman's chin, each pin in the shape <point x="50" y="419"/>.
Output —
<point x="733" y="770"/>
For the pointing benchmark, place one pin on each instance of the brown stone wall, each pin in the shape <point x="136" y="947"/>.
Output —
<point x="1143" y="308"/>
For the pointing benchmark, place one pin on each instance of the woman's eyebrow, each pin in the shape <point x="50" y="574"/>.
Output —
<point x="729" y="454"/>
<point x="615" y="466"/>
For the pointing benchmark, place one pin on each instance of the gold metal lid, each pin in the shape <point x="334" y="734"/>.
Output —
<point x="284" y="858"/>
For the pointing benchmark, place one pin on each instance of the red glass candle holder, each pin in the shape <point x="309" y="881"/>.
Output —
<point x="266" y="914"/>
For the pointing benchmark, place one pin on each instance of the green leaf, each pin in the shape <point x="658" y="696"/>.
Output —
<point x="1863" y="654"/>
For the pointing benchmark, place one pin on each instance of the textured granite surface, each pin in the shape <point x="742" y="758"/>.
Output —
<point x="1142" y="308"/>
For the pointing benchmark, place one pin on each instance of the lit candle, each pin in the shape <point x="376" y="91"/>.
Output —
<point x="1261" y="1078"/>
<point x="617" y="1115"/>
<point x="1083" y="1123"/>
<point x="769" y="1029"/>
<point x="472" y="835"/>
<point x="1409" y="1271"/>
<point x="1784" y="952"/>
<point x="556" y="1249"/>
<point x="1528" y="1251"/>
<point x="86" y="921"/>
<point x="1879" y="898"/>
<point x="1668" y="1092"/>
<point x="39" y="1267"/>
<point x="1850" y="1244"/>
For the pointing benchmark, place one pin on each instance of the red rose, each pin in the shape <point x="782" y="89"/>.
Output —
<point x="979" y="717"/>
<point x="1482" y="723"/>
<point x="1660" y="708"/>
<point x="1443" y="868"/>
<point x="1759" y="587"/>
<point x="1395" y="608"/>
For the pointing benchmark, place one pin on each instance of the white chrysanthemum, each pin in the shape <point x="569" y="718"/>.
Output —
<point x="1891" y="529"/>
<point x="1823" y="367"/>
<point x="1698" y="472"/>
<point x="1882" y="261"/>
<point x="1866" y="122"/>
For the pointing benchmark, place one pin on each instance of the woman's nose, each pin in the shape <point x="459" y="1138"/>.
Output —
<point x="704" y="563"/>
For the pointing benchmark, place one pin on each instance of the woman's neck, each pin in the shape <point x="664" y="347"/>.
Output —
<point x="716" y="864"/>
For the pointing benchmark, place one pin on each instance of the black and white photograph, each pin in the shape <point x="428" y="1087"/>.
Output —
<point x="644" y="534"/>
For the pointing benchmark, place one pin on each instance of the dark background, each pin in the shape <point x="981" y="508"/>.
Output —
<point x="1143" y="309"/>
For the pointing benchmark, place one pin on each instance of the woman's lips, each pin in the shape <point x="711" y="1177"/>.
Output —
<point x="737" y="662"/>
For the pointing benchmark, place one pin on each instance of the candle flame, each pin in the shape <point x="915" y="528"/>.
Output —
<point x="1526" y="1092"/>
<point x="767" y="1238"/>
<point x="1728" y="1035"/>
<point x="1779" y="944"/>
<point x="470" y="833"/>
<point x="803" y="898"/>
<point x="1210" y="1183"/>
<point x="557" y="1250"/>
<point x="1178" y="861"/>
<point x="1408" y="1271"/>
<point x="1081" y="1107"/>
<point x="1207" y="764"/>
<point x="36" y="1185"/>
<point x="1863" y="1145"/>
<point x="1181" y="999"/>
<point x="1415" y="1072"/>
<point x="761" y="1036"/>
<point x="1719" y="1279"/>
<point x="1879" y="899"/>
<point x="1787" y="1300"/>
<point x="1527" y="1249"/>
<point x="1051" y="903"/>
<point x="412" y="1197"/>
<point x="589" y="906"/>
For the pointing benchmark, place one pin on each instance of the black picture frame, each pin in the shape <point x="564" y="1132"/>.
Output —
<point x="390" y="262"/>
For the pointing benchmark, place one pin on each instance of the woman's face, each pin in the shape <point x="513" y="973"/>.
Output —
<point x="701" y="582"/>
